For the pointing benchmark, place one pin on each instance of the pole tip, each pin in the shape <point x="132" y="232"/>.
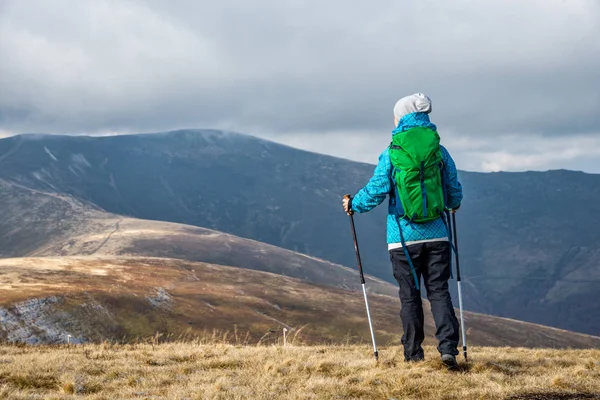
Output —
<point x="376" y="356"/>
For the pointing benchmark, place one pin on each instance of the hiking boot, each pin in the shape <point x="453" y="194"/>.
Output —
<point x="449" y="361"/>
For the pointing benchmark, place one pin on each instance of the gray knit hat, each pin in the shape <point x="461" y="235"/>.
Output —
<point x="417" y="102"/>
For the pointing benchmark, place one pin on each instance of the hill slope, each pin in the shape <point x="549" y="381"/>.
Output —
<point x="531" y="246"/>
<point x="529" y="241"/>
<point x="43" y="224"/>
<point x="93" y="298"/>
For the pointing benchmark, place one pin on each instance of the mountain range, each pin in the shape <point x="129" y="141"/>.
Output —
<point x="529" y="243"/>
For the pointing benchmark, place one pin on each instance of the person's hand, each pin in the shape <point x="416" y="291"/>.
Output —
<point x="346" y="204"/>
<point x="454" y="210"/>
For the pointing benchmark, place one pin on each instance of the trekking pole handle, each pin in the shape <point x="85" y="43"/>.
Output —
<point x="347" y="196"/>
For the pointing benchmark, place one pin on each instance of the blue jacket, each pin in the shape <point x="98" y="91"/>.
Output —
<point x="380" y="186"/>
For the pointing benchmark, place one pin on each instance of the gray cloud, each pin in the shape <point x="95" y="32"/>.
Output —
<point x="501" y="73"/>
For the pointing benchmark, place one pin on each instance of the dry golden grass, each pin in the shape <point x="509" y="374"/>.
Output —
<point x="201" y="370"/>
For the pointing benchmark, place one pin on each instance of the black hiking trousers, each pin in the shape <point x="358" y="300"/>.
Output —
<point x="432" y="262"/>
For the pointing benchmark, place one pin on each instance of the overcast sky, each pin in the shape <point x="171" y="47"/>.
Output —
<point x="515" y="84"/>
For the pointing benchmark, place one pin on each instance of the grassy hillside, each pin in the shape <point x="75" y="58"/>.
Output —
<point x="200" y="370"/>
<point x="42" y="300"/>
<point x="93" y="298"/>
<point x="98" y="275"/>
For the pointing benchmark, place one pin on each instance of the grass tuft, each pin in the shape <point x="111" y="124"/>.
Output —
<point x="30" y="380"/>
<point x="68" y="388"/>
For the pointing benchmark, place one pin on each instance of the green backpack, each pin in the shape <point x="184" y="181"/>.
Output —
<point x="417" y="173"/>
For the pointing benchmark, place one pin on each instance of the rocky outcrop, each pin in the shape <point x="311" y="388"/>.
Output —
<point x="37" y="321"/>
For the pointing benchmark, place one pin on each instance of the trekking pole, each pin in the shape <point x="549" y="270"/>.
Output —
<point x="362" y="280"/>
<point x="458" y="282"/>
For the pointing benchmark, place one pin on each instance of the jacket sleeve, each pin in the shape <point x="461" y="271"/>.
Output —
<point x="453" y="186"/>
<point x="379" y="186"/>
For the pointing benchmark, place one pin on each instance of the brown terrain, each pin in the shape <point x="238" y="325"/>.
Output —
<point x="73" y="269"/>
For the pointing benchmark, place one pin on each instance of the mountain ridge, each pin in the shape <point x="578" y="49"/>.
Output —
<point x="269" y="141"/>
